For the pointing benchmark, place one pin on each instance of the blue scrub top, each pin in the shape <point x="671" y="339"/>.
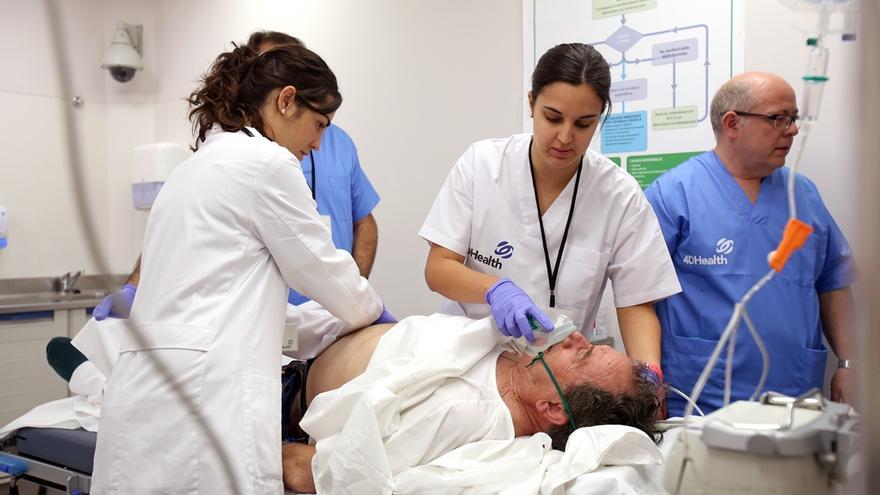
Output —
<point x="719" y="242"/>
<point x="343" y="190"/>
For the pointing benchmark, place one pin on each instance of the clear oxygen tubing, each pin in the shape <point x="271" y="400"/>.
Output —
<point x="765" y="356"/>
<point x="728" y="370"/>
<point x="685" y="397"/>
<point x="814" y="84"/>
<point x="731" y="327"/>
<point x="765" y="360"/>
<point x="99" y="257"/>
<point x="804" y="132"/>
<point x="739" y="310"/>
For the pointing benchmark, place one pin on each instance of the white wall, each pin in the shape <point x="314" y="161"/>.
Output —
<point x="421" y="80"/>
<point x="775" y="42"/>
<point x="130" y="117"/>
<point x="46" y="236"/>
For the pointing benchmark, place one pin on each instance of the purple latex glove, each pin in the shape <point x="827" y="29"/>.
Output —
<point x="512" y="307"/>
<point x="654" y="374"/>
<point x="116" y="305"/>
<point x="385" y="317"/>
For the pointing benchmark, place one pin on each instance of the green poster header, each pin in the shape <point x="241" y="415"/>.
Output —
<point x="646" y="168"/>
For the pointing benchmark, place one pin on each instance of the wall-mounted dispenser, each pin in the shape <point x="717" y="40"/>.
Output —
<point x="151" y="165"/>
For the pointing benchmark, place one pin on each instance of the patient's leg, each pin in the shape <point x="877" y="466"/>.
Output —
<point x="296" y="460"/>
<point x="63" y="357"/>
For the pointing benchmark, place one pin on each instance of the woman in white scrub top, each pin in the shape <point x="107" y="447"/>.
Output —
<point x="539" y="221"/>
<point x="233" y="227"/>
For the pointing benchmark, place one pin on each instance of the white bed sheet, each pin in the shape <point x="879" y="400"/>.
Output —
<point x="629" y="480"/>
<point x="625" y="480"/>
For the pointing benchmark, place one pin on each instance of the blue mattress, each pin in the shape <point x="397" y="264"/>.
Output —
<point x="73" y="449"/>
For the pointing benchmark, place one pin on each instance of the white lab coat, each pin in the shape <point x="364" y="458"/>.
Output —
<point x="232" y="228"/>
<point x="486" y="212"/>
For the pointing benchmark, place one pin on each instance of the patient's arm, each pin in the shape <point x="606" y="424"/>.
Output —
<point x="297" y="464"/>
<point x="345" y="359"/>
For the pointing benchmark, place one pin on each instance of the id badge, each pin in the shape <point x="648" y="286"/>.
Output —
<point x="290" y="342"/>
<point x="327" y="220"/>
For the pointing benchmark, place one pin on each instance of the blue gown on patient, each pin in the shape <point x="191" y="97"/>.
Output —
<point x="719" y="242"/>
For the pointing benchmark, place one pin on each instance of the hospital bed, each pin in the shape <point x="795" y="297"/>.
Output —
<point x="59" y="461"/>
<point x="48" y="460"/>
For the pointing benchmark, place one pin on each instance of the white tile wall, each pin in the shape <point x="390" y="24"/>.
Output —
<point x="409" y="86"/>
<point x="35" y="175"/>
<point x="832" y="153"/>
<point x="35" y="182"/>
<point x="172" y="122"/>
<point x="129" y="125"/>
<point x="421" y="81"/>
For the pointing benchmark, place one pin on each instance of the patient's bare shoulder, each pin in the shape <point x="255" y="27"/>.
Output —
<point x="345" y="359"/>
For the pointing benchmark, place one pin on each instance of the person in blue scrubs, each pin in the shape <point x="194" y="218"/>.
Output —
<point x="345" y="198"/>
<point x="721" y="213"/>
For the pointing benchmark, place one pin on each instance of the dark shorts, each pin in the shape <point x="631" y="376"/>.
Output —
<point x="293" y="401"/>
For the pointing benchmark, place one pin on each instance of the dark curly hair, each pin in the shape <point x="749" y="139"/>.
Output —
<point x="593" y="406"/>
<point x="273" y="38"/>
<point x="239" y="81"/>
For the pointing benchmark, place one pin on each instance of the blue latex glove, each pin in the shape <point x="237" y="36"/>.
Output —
<point x="512" y="307"/>
<point x="116" y="305"/>
<point x="385" y="317"/>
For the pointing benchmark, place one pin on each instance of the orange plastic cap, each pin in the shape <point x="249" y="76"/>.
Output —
<point x="796" y="234"/>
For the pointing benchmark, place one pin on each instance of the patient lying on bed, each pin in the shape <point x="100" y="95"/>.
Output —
<point x="428" y="385"/>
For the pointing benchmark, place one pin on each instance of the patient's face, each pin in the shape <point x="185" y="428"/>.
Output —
<point x="575" y="361"/>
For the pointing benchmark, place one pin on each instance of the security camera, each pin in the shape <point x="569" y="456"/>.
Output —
<point x="122" y="74"/>
<point x="123" y="57"/>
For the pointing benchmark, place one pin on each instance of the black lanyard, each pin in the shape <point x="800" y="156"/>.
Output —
<point x="312" y="157"/>
<point x="552" y="274"/>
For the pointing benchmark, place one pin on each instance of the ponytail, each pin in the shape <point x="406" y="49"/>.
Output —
<point x="217" y="100"/>
<point x="239" y="81"/>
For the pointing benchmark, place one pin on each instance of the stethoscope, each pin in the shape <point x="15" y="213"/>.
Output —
<point x="311" y="158"/>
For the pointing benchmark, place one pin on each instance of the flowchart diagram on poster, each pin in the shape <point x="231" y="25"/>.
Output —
<point x="667" y="57"/>
<point x="627" y="131"/>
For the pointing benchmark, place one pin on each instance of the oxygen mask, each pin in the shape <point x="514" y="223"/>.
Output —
<point x="563" y="326"/>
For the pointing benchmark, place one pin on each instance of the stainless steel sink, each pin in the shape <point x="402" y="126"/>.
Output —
<point x="51" y="297"/>
<point x="29" y="295"/>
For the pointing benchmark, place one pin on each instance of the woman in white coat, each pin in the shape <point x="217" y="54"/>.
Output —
<point x="193" y="404"/>
<point x="537" y="221"/>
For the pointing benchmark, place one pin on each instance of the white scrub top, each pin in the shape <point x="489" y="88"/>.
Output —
<point x="232" y="228"/>
<point x="486" y="212"/>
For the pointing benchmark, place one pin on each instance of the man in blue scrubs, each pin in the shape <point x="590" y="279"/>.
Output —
<point x="721" y="213"/>
<point x="345" y="198"/>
